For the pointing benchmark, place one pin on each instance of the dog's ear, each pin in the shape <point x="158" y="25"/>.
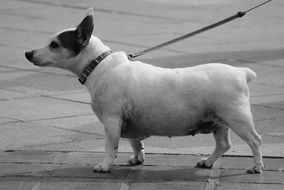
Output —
<point x="85" y="29"/>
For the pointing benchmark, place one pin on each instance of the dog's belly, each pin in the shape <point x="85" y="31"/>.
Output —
<point x="204" y="124"/>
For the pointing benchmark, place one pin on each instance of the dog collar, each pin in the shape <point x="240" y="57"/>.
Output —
<point x="88" y="70"/>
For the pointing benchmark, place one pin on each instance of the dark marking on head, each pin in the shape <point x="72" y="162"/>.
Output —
<point x="75" y="40"/>
<point x="69" y="40"/>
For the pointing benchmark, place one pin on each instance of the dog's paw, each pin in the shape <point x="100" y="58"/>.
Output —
<point x="255" y="170"/>
<point x="101" y="168"/>
<point x="134" y="161"/>
<point x="203" y="164"/>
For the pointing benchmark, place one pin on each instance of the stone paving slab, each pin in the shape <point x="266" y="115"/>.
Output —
<point x="237" y="162"/>
<point x="82" y="97"/>
<point x="249" y="186"/>
<point x="44" y="81"/>
<point x="265" y="91"/>
<point x="73" y="170"/>
<point x="18" y="109"/>
<point x="84" y="124"/>
<point x="12" y="183"/>
<point x="260" y="112"/>
<point x="238" y="176"/>
<point x="267" y="99"/>
<point x="10" y="95"/>
<point x="168" y="185"/>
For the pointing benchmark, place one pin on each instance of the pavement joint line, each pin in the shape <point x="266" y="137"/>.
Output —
<point x="37" y="186"/>
<point x="5" y="117"/>
<point x="131" y="153"/>
<point x="39" y="176"/>
<point x="17" y="69"/>
<point x="265" y="84"/>
<point x="267" y="95"/>
<point x="11" y="70"/>
<point x="24" y="30"/>
<point x="254" y="182"/>
<point x="59" y="158"/>
<point x="125" y="185"/>
<point x="214" y="177"/>
<point x="70" y="92"/>
<point x="21" y="98"/>
<point x="77" y="131"/>
<point x="237" y="169"/>
<point x="47" y="171"/>
<point x="244" y="61"/>
<point x="26" y="162"/>
<point x="57" y="143"/>
<point x="271" y="65"/>
<point x="270" y="107"/>
<point x="45" y="96"/>
<point x="46" y="119"/>
<point x="276" y="136"/>
<point x="38" y="70"/>
<point x="269" y="119"/>
<point x="4" y="45"/>
<point x="40" y="95"/>
<point x="68" y="100"/>
<point x="22" y="183"/>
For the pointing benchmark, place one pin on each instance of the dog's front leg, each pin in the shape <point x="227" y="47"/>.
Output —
<point x="112" y="135"/>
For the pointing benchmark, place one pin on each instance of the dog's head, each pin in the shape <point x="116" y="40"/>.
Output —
<point x="64" y="47"/>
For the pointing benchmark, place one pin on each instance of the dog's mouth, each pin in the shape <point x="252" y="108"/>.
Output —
<point x="42" y="64"/>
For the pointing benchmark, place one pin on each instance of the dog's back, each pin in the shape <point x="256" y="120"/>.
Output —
<point x="175" y="98"/>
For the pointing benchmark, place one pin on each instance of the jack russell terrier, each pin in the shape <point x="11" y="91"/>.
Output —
<point x="135" y="100"/>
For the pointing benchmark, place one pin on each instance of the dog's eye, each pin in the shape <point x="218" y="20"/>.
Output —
<point x="54" y="45"/>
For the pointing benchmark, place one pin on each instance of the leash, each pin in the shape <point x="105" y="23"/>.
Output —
<point x="238" y="15"/>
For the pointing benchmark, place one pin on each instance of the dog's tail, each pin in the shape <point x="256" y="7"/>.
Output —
<point x="249" y="74"/>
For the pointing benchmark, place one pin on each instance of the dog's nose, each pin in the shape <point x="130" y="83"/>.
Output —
<point x="29" y="55"/>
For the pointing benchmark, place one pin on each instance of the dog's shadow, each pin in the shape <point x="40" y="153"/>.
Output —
<point x="133" y="173"/>
<point x="74" y="174"/>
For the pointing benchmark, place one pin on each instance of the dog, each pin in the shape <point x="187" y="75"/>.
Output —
<point x="136" y="100"/>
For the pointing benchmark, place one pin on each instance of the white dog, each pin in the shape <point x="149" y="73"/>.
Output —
<point x="135" y="100"/>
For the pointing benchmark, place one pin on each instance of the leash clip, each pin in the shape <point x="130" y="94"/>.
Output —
<point x="130" y="56"/>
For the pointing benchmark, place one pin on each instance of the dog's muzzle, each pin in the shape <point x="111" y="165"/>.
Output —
<point x="29" y="55"/>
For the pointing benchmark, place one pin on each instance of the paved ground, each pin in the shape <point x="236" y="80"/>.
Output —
<point x="73" y="170"/>
<point x="49" y="136"/>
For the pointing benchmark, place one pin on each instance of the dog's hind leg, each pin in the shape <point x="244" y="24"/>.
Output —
<point x="223" y="144"/>
<point x="139" y="153"/>
<point x="240" y="120"/>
